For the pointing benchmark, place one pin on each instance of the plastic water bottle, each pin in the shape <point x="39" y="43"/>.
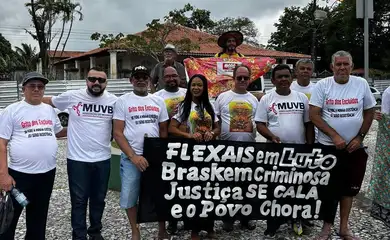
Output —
<point x="20" y="197"/>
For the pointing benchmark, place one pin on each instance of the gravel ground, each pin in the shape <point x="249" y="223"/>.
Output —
<point x="116" y="225"/>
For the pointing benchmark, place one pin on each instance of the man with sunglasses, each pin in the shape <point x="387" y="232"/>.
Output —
<point x="89" y="150"/>
<point x="157" y="75"/>
<point x="29" y="128"/>
<point x="236" y="109"/>
<point x="137" y="115"/>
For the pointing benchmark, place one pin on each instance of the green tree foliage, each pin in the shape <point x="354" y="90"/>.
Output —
<point x="152" y="41"/>
<point x="339" y="31"/>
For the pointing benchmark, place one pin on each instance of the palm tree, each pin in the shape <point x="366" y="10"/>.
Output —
<point x="27" y="56"/>
<point x="71" y="10"/>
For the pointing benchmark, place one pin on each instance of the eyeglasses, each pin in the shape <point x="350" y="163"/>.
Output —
<point x="94" y="79"/>
<point x="241" y="78"/>
<point x="199" y="111"/>
<point x="34" y="86"/>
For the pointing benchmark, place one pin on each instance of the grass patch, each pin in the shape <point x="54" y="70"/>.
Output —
<point x="114" y="145"/>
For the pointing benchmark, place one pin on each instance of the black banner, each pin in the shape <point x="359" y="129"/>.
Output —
<point x="235" y="180"/>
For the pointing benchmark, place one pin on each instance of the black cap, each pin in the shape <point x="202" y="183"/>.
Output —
<point x="140" y="69"/>
<point x="34" y="76"/>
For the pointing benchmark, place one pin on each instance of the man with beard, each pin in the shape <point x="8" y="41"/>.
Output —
<point x="89" y="150"/>
<point x="172" y="95"/>
<point x="236" y="109"/>
<point x="157" y="75"/>
<point x="229" y="41"/>
<point x="132" y="123"/>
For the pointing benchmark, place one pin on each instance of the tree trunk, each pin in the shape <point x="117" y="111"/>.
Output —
<point x="67" y="37"/>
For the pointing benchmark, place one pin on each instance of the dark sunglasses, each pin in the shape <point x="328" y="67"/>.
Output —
<point x="94" y="79"/>
<point x="241" y="78"/>
<point x="199" y="111"/>
<point x="139" y="77"/>
<point x="33" y="86"/>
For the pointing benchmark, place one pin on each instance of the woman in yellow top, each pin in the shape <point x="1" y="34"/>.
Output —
<point x="229" y="41"/>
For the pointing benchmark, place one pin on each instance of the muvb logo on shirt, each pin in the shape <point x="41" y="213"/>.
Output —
<point x="93" y="110"/>
<point x="286" y="107"/>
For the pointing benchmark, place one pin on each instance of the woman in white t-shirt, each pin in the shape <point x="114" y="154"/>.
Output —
<point x="197" y="111"/>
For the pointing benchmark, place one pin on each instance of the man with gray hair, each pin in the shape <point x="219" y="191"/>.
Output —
<point x="157" y="75"/>
<point x="342" y="108"/>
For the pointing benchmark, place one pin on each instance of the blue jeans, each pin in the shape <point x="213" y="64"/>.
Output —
<point x="87" y="181"/>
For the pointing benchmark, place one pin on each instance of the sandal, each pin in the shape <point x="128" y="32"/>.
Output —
<point x="348" y="237"/>
<point x="165" y="236"/>
<point x="324" y="237"/>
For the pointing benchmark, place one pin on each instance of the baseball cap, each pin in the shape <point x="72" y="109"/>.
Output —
<point x="34" y="76"/>
<point x="140" y="69"/>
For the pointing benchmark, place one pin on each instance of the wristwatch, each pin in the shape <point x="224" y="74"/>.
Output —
<point x="362" y="135"/>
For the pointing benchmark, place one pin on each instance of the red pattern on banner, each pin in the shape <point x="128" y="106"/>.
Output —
<point x="221" y="83"/>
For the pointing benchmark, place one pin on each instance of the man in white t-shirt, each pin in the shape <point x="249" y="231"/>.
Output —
<point x="236" y="109"/>
<point x="89" y="151"/>
<point x="341" y="107"/>
<point x="172" y="95"/>
<point x="282" y="116"/>
<point x="137" y="115"/>
<point x="29" y="128"/>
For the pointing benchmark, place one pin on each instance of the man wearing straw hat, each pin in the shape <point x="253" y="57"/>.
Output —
<point x="229" y="41"/>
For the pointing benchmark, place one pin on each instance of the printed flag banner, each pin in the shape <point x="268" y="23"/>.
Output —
<point x="219" y="71"/>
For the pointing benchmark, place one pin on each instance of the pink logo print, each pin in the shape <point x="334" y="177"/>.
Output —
<point x="272" y="108"/>
<point x="77" y="108"/>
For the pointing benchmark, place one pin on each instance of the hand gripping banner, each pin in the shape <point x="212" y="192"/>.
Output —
<point x="219" y="71"/>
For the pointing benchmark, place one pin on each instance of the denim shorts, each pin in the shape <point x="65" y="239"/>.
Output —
<point x="130" y="183"/>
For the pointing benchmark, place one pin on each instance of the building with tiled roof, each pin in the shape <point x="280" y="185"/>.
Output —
<point x="118" y="62"/>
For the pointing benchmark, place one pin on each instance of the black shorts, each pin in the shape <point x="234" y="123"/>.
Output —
<point x="353" y="170"/>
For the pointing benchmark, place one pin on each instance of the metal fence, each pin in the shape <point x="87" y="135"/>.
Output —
<point x="10" y="92"/>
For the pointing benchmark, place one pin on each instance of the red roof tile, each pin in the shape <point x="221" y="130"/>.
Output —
<point x="207" y="44"/>
<point x="65" y="54"/>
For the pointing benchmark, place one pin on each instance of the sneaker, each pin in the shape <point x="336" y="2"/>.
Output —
<point x="172" y="227"/>
<point x="297" y="226"/>
<point x="269" y="234"/>
<point x="97" y="237"/>
<point x="227" y="226"/>
<point x="250" y="225"/>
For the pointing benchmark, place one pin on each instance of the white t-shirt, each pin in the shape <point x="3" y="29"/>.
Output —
<point x="172" y="99"/>
<point x="31" y="131"/>
<point x="237" y="113"/>
<point x="142" y="115"/>
<point x="386" y="101"/>
<point x="342" y="106"/>
<point x="90" y="124"/>
<point x="285" y="115"/>
<point x="195" y="123"/>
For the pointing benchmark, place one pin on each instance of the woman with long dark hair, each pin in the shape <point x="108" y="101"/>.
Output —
<point x="197" y="112"/>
